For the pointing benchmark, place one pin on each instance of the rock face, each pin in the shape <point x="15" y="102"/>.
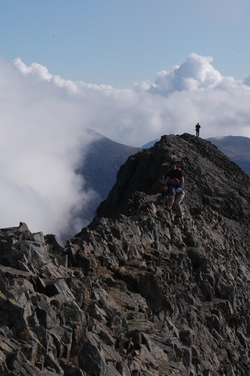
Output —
<point x="136" y="292"/>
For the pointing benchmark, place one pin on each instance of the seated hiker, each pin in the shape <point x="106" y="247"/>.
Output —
<point x="174" y="183"/>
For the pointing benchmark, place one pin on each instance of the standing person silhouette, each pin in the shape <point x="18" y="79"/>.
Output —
<point x="197" y="129"/>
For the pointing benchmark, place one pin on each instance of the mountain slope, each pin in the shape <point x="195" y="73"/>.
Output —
<point x="100" y="164"/>
<point x="207" y="170"/>
<point x="137" y="292"/>
<point x="237" y="148"/>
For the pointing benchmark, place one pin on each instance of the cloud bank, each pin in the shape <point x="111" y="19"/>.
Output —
<point x="43" y="120"/>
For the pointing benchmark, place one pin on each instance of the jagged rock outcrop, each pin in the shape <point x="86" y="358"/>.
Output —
<point x="136" y="292"/>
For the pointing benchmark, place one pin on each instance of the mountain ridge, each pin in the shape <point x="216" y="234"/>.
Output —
<point x="137" y="292"/>
<point x="237" y="148"/>
<point x="102" y="159"/>
<point x="146" y="179"/>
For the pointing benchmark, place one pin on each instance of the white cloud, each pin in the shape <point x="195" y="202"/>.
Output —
<point x="197" y="92"/>
<point x="43" y="118"/>
<point x="195" y="74"/>
<point x="42" y="138"/>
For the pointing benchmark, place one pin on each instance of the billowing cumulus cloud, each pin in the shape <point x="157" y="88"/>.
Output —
<point x="195" y="74"/>
<point x="197" y="92"/>
<point x="43" y="119"/>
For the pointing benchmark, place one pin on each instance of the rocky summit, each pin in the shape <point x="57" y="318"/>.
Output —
<point x="138" y="291"/>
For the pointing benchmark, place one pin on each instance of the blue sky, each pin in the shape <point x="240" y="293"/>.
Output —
<point x="132" y="70"/>
<point x="117" y="42"/>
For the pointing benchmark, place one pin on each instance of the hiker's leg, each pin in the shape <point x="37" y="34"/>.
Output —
<point x="172" y="193"/>
<point x="177" y="206"/>
<point x="172" y="202"/>
<point x="165" y="196"/>
<point x="164" y="201"/>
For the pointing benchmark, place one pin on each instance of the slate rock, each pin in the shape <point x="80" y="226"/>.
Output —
<point x="135" y="292"/>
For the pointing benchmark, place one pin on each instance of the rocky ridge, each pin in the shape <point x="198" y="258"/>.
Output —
<point x="136" y="292"/>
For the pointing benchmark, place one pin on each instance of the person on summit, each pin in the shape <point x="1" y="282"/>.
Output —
<point x="197" y="129"/>
<point x="174" y="182"/>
